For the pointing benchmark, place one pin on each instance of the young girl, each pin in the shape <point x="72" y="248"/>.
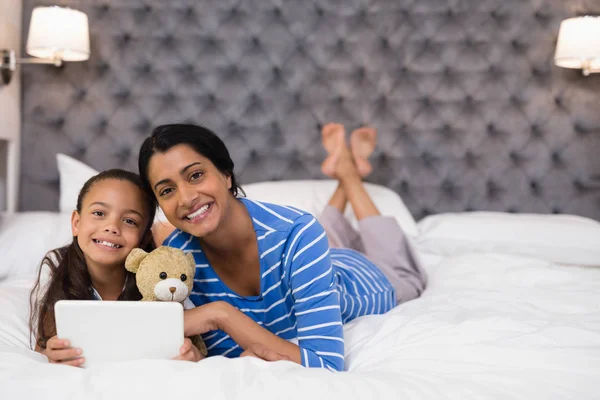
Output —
<point x="267" y="283"/>
<point x="113" y="216"/>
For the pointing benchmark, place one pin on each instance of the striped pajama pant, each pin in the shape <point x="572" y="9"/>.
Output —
<point x="384" y="243"/>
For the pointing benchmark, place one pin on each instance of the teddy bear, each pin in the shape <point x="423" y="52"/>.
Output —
<point x="164" y="274"/>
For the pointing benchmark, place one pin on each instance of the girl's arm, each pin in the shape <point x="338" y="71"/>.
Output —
<point x="39" y="349"/>
<point x="317" y="306"/>
<point x="42" y="323"/>
<point x="160" y="231"/>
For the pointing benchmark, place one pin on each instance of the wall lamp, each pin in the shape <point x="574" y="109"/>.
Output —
<point x="56" y="34"/>
<point x="578" y="44"/>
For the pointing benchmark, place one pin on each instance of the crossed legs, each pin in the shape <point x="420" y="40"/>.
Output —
<point x="381" y="239"/>
<point x="349" y="166"/>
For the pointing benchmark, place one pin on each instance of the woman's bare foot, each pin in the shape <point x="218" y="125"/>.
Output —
<point x="362" y="145"/>
<point x="333" y="137"/>
<point x="345" y="170"/>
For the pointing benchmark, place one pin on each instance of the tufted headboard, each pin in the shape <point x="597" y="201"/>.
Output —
<point x="471" y="112"/>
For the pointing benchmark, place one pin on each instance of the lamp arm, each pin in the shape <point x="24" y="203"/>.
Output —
<point x="32" y="60"/>
<point x="10" y="61"/>
<point x="8" y="64"/>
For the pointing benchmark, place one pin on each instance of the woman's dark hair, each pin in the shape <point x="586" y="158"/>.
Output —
<point x="204" y="141"/>
<point x="70" y="278"/>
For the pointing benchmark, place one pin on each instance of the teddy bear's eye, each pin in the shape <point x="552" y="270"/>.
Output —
<point x="183" y="277"/>
<point x="163" y="275"/>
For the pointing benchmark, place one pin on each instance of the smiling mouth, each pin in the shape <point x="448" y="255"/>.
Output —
<point x="107" y="244"/>
<point x="198" y="212"/>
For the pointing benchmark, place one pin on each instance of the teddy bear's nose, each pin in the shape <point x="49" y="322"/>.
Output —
<point x="172" y="289"/>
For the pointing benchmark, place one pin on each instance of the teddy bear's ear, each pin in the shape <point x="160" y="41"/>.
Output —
<point x="134" y="259"/>
<point x="192" y="263"/>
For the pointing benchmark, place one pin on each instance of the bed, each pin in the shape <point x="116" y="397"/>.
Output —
<point x="471" y="115"/>
<point x="511" y="311"/>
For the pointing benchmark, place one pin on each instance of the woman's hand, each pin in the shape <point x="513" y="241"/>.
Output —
<point x="189" y="352"/>
<point x="59" y="351"/>
<point x="204" y="318"/>
<point x="264" y="353"/>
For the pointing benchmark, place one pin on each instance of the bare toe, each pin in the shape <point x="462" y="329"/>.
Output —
<point x="333" y="137"/>
<point x="362" y="145"/>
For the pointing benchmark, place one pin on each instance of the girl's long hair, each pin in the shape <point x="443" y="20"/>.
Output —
<point x="69" y="275"/>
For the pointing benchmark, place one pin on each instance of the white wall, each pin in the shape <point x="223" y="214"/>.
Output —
<point x="10" y="106"/>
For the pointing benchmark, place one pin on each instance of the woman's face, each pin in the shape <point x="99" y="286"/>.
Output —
<point x="191" y="191"/>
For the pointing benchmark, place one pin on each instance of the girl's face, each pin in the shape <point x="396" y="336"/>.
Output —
<point x="112" y="222"/>
<point x="192" y="192"/>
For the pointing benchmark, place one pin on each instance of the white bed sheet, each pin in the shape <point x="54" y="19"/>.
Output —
<point x="488" y="326"/>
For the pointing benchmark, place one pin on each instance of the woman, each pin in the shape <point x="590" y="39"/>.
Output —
<point x="266" y="278"/>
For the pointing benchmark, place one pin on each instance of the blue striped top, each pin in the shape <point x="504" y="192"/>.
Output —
<point x="307" y="290"/>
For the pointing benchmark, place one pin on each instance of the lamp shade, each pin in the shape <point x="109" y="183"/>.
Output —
<point x="58" y="32"/>
<point x="578" y="43"/>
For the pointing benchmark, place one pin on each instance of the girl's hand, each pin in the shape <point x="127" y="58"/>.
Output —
<point x="189" y="352"/>
<point x="59" y="351"/>
<point x="263" y="352"/>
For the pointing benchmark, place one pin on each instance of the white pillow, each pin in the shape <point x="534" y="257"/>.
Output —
<point x="313" y="195"/>
<point x="27" y="236"/>
<point x="566" y="239"/>
<point x="14" y="313"/>
<point x="73" y="175"/>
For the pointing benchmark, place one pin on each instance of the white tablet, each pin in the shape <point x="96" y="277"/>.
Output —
<point x="110" y="331"/>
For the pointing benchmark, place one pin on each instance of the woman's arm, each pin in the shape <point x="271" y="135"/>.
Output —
<point x="316" y="306"/>
<point x="242" y="329"/>
<point x="316" y="299"/>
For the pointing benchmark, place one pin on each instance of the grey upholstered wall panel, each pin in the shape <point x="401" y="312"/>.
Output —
<point x="471" y="112"/>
